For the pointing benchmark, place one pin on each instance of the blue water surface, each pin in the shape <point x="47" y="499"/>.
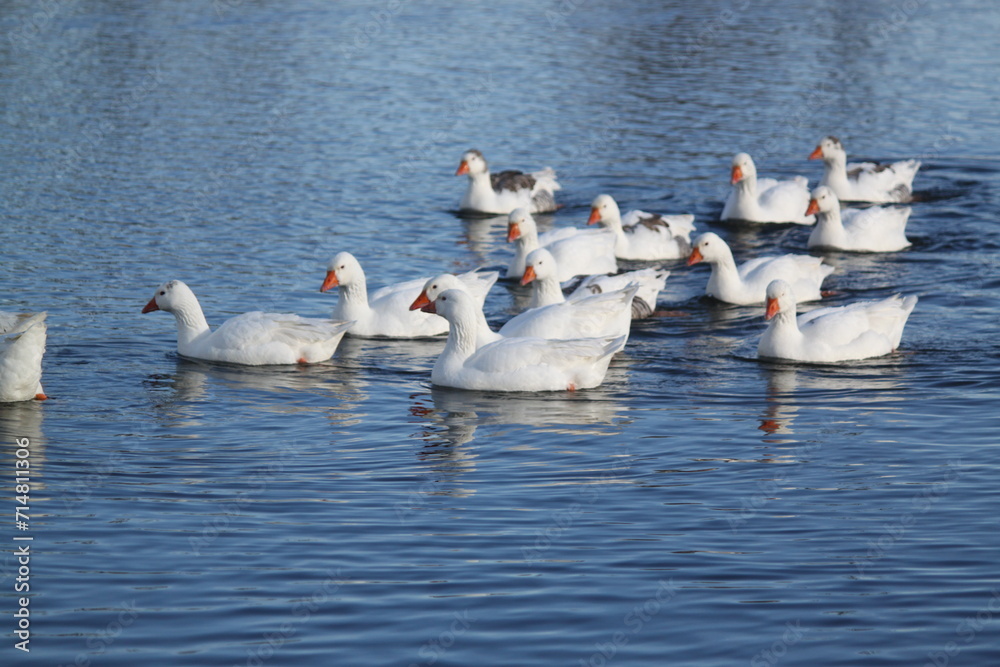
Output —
<point x="701" y="507"/>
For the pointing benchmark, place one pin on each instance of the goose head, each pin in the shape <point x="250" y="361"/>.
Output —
<point x="343" y="269"/>
<point x="472" y="164"/>
<point x="453" y="305"/>
<point x="434" y="287"/>
<point x="780" y="299"/>
<point x="829" y="150"/>
<point x="603" y="209"/>
<point x="742" y="168"/>
<point x="539" y="265"/>
<point x="708" y="247"/>
<point x="520" y="223"/>
<point x="170" y="296"/>
<point x="823" y="201"/>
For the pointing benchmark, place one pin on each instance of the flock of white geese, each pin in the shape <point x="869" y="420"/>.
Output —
<point x="581" y="306"/>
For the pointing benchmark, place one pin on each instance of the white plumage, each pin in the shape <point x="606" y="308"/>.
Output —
<point x="251" y="339"/>
<point x="873" y="229"/>
<point x="765" y="199"/>
<point x="502" y="193"/>
<point x="865" y="181"/>
<point x="22" y="345"/>
<point x="514" y="364"/>
<point x="747" y="284"/>
<point x="643" y="236"/>
<point x="580" y="252"/>
<point x="857" y="331"/>
<point x="386" y="314"/>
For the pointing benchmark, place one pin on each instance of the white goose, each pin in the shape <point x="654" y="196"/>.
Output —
<point x="748" y="284"/>
<point x="22" y="344"/>
<point x="865" y="181"/>
<point x="857" y="331"/>
<point x="251" y="339"/>
<point x="874" y="229"/>
<point x="385" y="314"/>
<point x="542" y="270"/>
<point x="642" y="235"/>
<point x="580" y="252"/>
<point x="765" y="199"/>
<point x="502" y="193"/>
<point x="514" y="364"/>
<point x="598" y="315"/>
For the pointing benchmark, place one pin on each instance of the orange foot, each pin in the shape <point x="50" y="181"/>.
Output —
<point x="571" y="387"/>
<point x="41" y="397"/>
<point x="302" y="360"/>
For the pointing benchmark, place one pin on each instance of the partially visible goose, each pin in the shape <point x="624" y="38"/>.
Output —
<point x="22" y="344"/>
<point x="251" y="339"/>
<point x="857" y="331"/>
<point x="874" y="229"/>
<point x="865" y="181"/>
<point x="514" y="364"/>
<point x="748" y="284"/>
<point x="641" y="235"/>
<point x="765" y="199"/>
<point x="502" y="193"/>
<point x="597" y="315"/>
<point x="580" y="252"/>
<point x="542" y="270"/>
<point x="386" y="313"/>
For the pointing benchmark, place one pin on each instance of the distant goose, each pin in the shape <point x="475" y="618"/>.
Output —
<point x="641" y="235"/>
<point x="22" y="345"/>
<point x="873" y="229"/>
<point x="765" y="199"/>
<point x="578" y="251"/>
<point x="251" y="339"/>
<point x="859" y="330"/>
<point x="747" y="284"/>
<point x="866" y="181"/>
<point x="386" y="314"/>
<point x="514" y="364"/>
<point x="542" y="270"/>
<point x="502" y="193"/>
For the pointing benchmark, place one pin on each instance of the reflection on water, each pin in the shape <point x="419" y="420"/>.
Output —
<point x="23" y="420"/>
<point x="834" y="390"/>
<point x="452" y="416"/>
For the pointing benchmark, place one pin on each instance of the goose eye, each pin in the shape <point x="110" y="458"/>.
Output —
<point x="162" y="292"/>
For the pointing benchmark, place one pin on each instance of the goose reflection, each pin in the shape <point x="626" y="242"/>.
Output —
<point x="836" y="390"/>
<point x="452" y="416"/>
<point x="19" y="421"/>
<point x="286" y="390"/>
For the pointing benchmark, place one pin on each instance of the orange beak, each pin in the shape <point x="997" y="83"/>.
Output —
<point x="816" y="154"/>
<point x="330" y="281"/>
<point x="420" y="301"/>
<point x="529" y="275"/>
<point x="772" y="309"/>
<point x="595" y="216"/>
<point x="513" y="232"/>
<point x="462" y="168"/>
<point x="695" y="257"/>
<point x="813" y="207"/>
<point x="429" y="308"/>
<point x="737" y="176"/>
<point x="151" y="306"/>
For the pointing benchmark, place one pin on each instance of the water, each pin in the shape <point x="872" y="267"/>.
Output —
<point x="700" y="507"/>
